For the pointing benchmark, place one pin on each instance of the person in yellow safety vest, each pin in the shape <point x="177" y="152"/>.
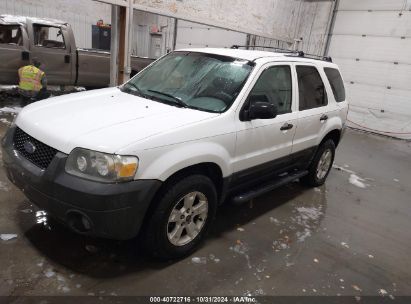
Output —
<point x="33" y="82"/>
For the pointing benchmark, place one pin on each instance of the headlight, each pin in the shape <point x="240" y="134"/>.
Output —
<point x="101" y="166"/>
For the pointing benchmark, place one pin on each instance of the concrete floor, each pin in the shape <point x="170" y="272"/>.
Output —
<point x="339" y="239"/>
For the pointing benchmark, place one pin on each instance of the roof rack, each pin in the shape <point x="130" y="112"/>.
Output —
<point x="288" y="52"/>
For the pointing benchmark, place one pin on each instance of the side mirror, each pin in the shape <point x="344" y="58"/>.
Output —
<point x="261" y="110"/>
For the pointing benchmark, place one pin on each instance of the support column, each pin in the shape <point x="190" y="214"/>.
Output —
<point x="122" y="47"/>
<point x="114" y="45"/>
<point x="175" y="33"/>
<point x="128" y="42"/>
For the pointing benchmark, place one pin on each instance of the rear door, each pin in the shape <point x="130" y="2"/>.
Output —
<point x="13" y="52"/>
<point x="313" y="110"/>
<point x="49" y="45"/>
<point x="264" y="145"/>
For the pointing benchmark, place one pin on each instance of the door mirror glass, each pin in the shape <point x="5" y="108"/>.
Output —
<point x="262" y="110"/>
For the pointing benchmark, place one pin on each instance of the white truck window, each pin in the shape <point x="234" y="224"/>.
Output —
<point x="48" y="36"/>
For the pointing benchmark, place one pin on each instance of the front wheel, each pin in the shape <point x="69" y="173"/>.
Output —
<point x="321" y="165"/>
<point x="182" y="218"/>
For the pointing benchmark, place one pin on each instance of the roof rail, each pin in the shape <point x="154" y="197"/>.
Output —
<point x="290" y="52"/>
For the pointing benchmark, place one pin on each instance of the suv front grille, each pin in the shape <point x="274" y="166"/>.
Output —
<point x="35" y="151"/>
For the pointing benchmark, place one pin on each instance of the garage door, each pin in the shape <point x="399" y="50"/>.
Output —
<point x="371" y="42"/>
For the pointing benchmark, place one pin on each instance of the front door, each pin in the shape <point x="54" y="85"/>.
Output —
<point x="49" y="46"/>
<point x="264" y="145"/>
<point x="13" y="52"/>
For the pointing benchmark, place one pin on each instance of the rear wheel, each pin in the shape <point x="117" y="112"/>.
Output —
<point x="321" y="165"/>
<point x="182" y="218"/>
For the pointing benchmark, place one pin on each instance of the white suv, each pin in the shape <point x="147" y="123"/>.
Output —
<point x="196" y="128"/>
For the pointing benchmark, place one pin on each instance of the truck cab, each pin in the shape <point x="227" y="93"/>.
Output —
<point x="52" y="43"/>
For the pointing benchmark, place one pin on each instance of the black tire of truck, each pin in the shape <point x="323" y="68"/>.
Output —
<point x="158" y="232"/>
<point x="314" y="178"/>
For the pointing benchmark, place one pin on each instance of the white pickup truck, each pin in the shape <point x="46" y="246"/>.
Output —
<point x="157" y="155"/>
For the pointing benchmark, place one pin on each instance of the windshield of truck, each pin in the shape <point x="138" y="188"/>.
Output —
<point x="200" y="81"/>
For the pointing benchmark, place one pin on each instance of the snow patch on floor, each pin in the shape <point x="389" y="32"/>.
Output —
<point x="4" y="186"/>
<point x="49" y="273"/>
<point x="339" y="168"/>
<point x="199" y="260"/>
<point x="7" y="236"/>
<point x="357" y="181"/>
<point x="11" y="110"/>
<point x="242" y="249"/>
<point x="5" y="121"/>
<point x="301" y="236"/>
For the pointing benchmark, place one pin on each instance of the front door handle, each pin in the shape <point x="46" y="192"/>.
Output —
<point x="67" y="59"/>
<point x="323" y="117"/>
<point x="286" y="126"/>
<point x="25" y="55"/>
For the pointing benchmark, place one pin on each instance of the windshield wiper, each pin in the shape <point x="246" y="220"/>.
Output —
<point x="137" y="88"/>
<point x="176" y="99"/>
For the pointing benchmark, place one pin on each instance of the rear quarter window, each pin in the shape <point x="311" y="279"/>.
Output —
<point x="336" y="82"/>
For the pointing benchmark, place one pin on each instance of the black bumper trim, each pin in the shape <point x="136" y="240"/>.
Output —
<point x="116" y="210"/>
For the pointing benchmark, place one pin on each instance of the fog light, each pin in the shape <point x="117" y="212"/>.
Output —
<point x="86" y="223"/>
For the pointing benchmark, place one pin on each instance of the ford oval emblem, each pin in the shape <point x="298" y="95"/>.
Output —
<point x="29" y="147"/>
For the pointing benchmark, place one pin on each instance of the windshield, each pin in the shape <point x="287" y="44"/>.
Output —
<point x="201" y="81"/>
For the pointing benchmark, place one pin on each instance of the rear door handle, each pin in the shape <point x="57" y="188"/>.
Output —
<point x="323" y="117"/>
<point x="286" y="126"/>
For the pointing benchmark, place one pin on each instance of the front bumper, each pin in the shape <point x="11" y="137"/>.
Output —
<point x="113" y="211"/>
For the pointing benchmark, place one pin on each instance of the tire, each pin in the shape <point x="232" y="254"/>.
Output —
<point x="316" y="176"/>
<point x="161" y="234"/>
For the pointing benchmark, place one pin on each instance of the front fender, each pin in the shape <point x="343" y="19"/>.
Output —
<point x="163" y="162"/>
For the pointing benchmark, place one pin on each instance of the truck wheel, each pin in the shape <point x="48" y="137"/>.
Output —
<point x="181" y="218"/>
<point x="321" y="165"/>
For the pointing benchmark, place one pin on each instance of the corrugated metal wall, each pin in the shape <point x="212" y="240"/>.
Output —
<point x="371" y="42"/>
<point x="81" y="14"/>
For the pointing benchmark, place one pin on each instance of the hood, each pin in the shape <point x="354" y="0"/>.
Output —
<point x="103" y="120"/>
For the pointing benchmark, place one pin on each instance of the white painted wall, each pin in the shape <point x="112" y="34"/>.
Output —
<point x="282" y="20"/>
<point x="197" y="35"/>
<point x="81" y="14"/>
<point x="371" y="42"/>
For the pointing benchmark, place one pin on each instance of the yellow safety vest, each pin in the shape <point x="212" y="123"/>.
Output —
<point x="30" y="78"/>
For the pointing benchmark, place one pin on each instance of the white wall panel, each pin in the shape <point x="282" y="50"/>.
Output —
<point x="372" y="4"/>
<point x="384" y="74"/>
<point x="381" y="23"/>
<point x="380" y="109"/>
<point x="371" y="48"/>
<point x="371" y="42"/>
<point x="197" y="35"/>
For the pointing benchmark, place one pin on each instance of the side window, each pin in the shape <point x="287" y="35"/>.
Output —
<point x="336" y="82"/>
<point x="274" y="86"/>
<point x="311" y="88"/>
<point x="10" y="34"/>
<point x="48" y="36"/>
